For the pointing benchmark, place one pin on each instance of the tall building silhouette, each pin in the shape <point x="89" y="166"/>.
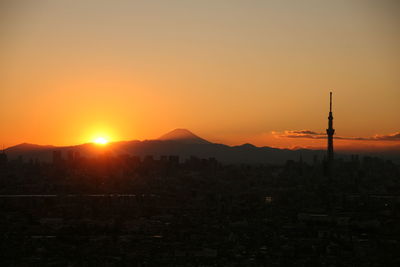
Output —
<point x="330" y="132"/>
<point x="3" y="157"/>
<point x="57" y="157"/>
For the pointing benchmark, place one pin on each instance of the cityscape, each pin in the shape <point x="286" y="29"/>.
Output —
<point x="199" y="133"/>
<point x="126" y="210"/>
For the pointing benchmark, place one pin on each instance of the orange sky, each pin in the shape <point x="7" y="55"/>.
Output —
<point x="230" y="71"/>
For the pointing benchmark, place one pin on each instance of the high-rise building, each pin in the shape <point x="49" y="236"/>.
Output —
<point x="330" y="132"/>
<point x="57" y="157"/>
<point x="3" y="158"/>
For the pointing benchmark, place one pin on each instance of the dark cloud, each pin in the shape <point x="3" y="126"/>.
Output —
<point x="388" y="137"/>
<point x="308" y="134"/>
<point x="300" y="134"/>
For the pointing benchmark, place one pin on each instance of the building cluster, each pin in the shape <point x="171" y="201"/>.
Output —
<point x="124" y="210"/>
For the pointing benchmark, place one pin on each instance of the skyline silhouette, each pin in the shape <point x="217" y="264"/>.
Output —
<point x="185" y="144"/>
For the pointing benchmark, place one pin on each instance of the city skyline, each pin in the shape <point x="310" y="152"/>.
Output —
<point x="200" y="133"/>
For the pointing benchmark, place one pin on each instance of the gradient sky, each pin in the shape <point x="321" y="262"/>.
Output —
<point x="230" y="71"/>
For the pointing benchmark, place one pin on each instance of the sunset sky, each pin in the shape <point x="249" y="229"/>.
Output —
<point x="231" y="71"/>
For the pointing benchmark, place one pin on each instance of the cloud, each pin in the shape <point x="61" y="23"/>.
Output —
<point x="389" y="137"/>
<point x="300" y="134"/>
<point x="308" y="134"/>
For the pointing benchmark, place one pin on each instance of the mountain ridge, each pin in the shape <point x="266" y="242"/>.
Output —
<point x="180" y="142"/>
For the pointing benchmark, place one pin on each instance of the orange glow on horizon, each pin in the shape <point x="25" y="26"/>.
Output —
<point x="229" y="75"/>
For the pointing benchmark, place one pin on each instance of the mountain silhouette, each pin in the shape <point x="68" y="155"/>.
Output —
<point x="180" y="142"/>
<point x="183" y="136"/>
<point x="30" y="147"/>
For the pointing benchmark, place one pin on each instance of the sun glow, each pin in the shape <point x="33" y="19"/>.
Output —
<point x="100" y="140"/>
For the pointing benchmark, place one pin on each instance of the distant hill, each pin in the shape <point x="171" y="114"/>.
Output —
<point x="183" y="136"/>
<point x="179" y="142"/>
<point x="30" y="151"/>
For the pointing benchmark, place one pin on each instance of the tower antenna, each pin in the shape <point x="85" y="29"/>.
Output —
<point x="330" y="132"/>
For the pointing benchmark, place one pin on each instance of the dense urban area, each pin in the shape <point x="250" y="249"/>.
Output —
<point x="130" y="211"/>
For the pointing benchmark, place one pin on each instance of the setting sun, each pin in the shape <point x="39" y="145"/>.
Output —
<point x="100" y="141"/>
